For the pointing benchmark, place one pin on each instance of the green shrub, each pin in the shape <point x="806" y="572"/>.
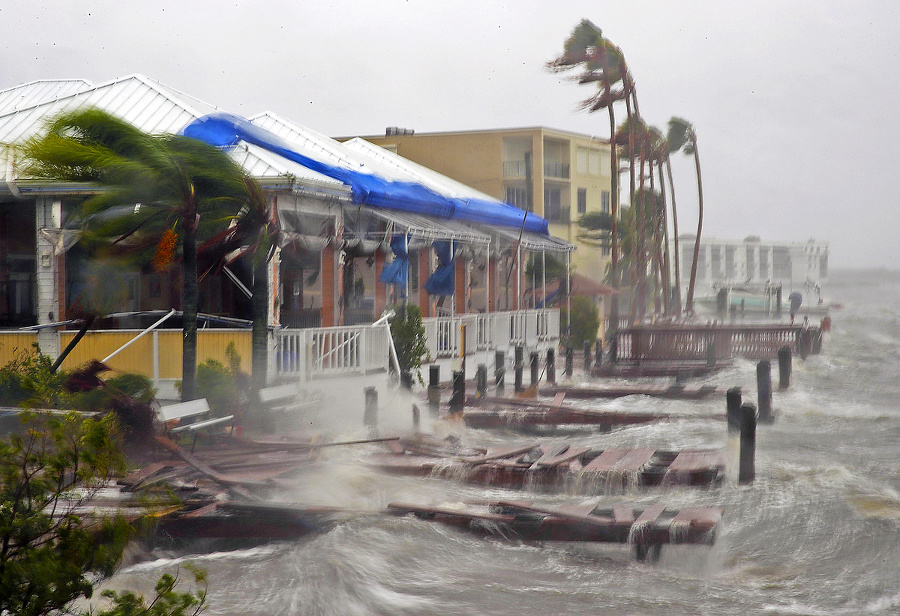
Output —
<point x="585" y="322"/>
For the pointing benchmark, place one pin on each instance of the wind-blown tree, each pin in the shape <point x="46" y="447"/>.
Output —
<point x="169" y="184"/>
<point x="662" y="155"/>
<point x="602" y="63"/>
<point x="682" y="137"/>
<point x="253" y="232"/>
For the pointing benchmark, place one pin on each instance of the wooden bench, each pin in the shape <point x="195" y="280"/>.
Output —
<point x="286" y="397"/>
<point x="193" y="411"/>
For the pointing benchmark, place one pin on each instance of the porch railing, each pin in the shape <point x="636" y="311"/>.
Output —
<point x="705" y="343"/>
<point x="326" y="351"/>
<point x="500" y="330"/>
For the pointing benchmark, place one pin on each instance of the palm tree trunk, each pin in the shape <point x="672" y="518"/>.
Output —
<point x="614" y="213"/>
<point x="189" y="299"/>
<point x="675" y="234"/>
<point x="661" y="243"/>
<point x="260" y="309"/>
<point x="690" y="295"/>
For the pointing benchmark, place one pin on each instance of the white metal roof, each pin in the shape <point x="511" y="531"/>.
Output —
<point x="145" y="103"/>
<point x="36" y="92"/>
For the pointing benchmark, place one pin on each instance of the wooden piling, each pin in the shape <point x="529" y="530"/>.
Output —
<point x="764" y="391"/>
<point x="598" y="353"/>
<point x="370" y="414"/>
<point x="587" y="356"/>
<point x="434" y="387"/>
<point x="416" y="418"/>
<point x="458" y="399"/>
<point x="784" y="367"/>
<point x="500" y="370"/>
<point x="570" y="361"/>
<point x="733" y="410"/>
<point x="747" y="465"/>
<point x="481" y="380"/>
<point x="519" y="367"/>
<point x="551" y="366"/>
<point x="535" y="368"/>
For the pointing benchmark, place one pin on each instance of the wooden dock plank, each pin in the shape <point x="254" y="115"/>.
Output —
<point x="697" y="460"/>
<point x="550" y="460"/>
<point x="634" y="460"/>
<point x="557" y="401"/>
<point x="650" y="514"/>
<point x="605" y="461"/>
<point x="700" y="517"/>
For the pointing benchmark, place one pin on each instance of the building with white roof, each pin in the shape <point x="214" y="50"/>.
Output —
<point x="339" y="206"/>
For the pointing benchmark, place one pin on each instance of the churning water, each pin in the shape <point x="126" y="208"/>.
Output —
<point x="817" y="533"/>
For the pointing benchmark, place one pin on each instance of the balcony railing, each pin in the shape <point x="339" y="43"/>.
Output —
<point x="556" y="170"/>
<point x="514" y="169"/>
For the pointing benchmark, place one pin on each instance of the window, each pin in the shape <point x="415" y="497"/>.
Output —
<point x="553" y="210"/>
<point x="581" y="161"/>
<point x="587" y="161"/>
<point x="781" y="263"/>
<point x="582" y="200"/>
<point x="763" y="263"/>
<point x="604" y="202"/>
<point x="517" y="196"/>
<point x="594" y="163"/>
<point x="715" y="258"/>
<point x="729" y="263"/>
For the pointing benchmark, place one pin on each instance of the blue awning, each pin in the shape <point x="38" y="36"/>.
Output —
<point x="226" y="130"/>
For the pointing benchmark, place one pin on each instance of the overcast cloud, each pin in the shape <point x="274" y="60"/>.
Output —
<point x="795" y="103"/>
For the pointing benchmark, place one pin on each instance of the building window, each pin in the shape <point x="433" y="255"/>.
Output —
<point x="518" y="197"/>
<point x="581" y="161"/>
<point x="715" y="258"/>
<point x="553" y="209"/>
<point x="781" y="263"/>
<point x="730" y="273"/>
<point x="763" y="263"/>
<point x="604" y="202"/>
<point x="582" y="200"/>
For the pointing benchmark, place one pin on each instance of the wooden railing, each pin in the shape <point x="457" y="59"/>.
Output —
<point x="499" y="330"/>
<point x="713" y="342"/>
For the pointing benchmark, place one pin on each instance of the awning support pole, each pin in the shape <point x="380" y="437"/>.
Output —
<point x="138" y="337"/>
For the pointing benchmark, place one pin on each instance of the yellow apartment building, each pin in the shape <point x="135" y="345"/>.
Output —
<point x="556" y="174"/>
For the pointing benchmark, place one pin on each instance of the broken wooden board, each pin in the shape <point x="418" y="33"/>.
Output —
<point x="681" y="392"/>
<point x="649" y="526"/>
<point x="562" y="467"/>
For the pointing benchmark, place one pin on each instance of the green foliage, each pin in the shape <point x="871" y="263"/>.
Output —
<point x="585" y="321"/>
<point x="50" y="552"/>
<point x="27" y="381"/>
<point x="223" y="386"/>
<point x="409" y="338"/>
<point x="168" y="602"/>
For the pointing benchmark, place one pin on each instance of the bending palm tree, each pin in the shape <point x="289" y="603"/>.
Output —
<point x="167" y="183"/>
<point x="602" y="63"/>
<point x="682" y="137"/>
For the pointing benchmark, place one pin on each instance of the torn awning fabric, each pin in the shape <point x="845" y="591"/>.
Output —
<point x="226" y="130"/>
<point x="397" y="271"/>
<point x="441" y="281"/>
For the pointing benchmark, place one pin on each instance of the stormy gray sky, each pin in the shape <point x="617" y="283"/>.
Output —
<point x="796" y="104"/>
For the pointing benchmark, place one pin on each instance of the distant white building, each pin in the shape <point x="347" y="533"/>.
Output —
<point x="754" y="265"/>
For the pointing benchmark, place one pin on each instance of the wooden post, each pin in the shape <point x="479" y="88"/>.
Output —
<point x="570" y="361"/>
<point x="587" y="357"/>
<point x="370" y="415"/>
<point x="520" y="360"/>
<point x="434" y="388"/>
<point x="598" y="353"/>
<point x="804" y="342"/>
<point x="764" y="390"/>
<point x="500" y="370"/>
<point x="784" y="367"/>
<point x="535" y="368"/>
<point x="614" y="348"/>
<point x="733" y="412"/>
<point x="551" y="366"/>
<point x="458" y="399"/>
<point x="481" y="380"/>
<point x="416" y="417"/>
<point x="747" y="469"/>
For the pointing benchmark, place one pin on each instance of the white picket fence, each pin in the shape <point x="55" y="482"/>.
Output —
<point x="363" y="349"/>
<point x="326" y="351"/>
<point x="533" y="329"/>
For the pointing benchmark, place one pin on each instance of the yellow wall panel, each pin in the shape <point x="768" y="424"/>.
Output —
<point x="13" y="343"/>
